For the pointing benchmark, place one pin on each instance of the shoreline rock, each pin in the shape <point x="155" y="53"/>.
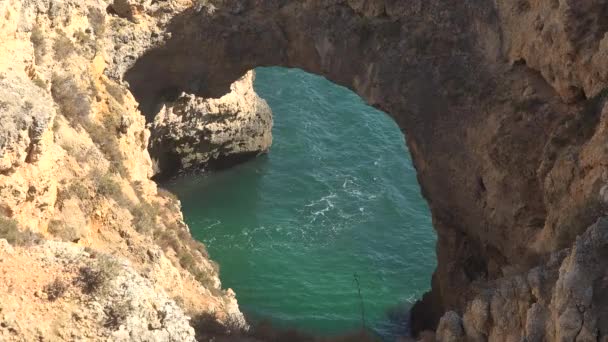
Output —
<point x="194" y="134"/>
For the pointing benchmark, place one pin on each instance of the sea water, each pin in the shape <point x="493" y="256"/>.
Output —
<point x="333" y="208"/>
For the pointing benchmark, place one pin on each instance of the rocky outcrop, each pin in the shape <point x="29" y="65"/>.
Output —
<point x="193" y="134"/>
<point x="502" y="104"/>
<point x="561" y="300"/>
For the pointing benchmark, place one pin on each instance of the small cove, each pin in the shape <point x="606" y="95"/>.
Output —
<point x="336" y="196"/>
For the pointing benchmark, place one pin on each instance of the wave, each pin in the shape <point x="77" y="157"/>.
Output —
<point x="337" y="195"/>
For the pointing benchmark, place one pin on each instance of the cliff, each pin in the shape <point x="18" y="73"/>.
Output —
<point x="74" y="167"/>
<point x="502" y="103"/>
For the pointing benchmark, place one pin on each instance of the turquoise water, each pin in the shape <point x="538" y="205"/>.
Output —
<point x="336" y="196"/>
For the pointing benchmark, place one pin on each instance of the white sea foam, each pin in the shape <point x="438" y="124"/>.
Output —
<point x="332" y="199"/>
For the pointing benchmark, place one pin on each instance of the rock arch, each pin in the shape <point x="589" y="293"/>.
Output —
<point x="492" y="98"/>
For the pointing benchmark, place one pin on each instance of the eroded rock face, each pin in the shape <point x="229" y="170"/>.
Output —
<point x="74" y="167"/>
<point x="562" y="300"/>
<point x="24" y="118"/>
<point x="194" y="134"/>
<point x="502" y="104"/>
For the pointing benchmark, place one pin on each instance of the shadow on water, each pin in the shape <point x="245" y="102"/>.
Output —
<point x="208" y="329"/>
<point x="397" y="322"/>
<point x="396" y="328"/>
<point x="241" y="197"/>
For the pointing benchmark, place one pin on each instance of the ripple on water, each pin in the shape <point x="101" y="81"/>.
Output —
<point x="336" y="195"/>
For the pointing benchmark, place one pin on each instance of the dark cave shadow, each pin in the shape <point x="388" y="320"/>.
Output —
<point x="397" y="322"/>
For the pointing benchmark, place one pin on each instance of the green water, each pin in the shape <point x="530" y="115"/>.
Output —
<point x="336" y="196"/>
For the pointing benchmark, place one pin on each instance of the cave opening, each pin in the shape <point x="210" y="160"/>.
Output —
<point x="336" y="197"/>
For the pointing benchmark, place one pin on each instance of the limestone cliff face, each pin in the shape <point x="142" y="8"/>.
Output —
<point x="193" y="134"/>
<point x="563" y="299"/>
<point x="503" y="107"/>
<point x="74" y="167"/>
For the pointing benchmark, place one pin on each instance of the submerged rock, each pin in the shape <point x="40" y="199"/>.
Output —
<point x="192" y="133"/>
